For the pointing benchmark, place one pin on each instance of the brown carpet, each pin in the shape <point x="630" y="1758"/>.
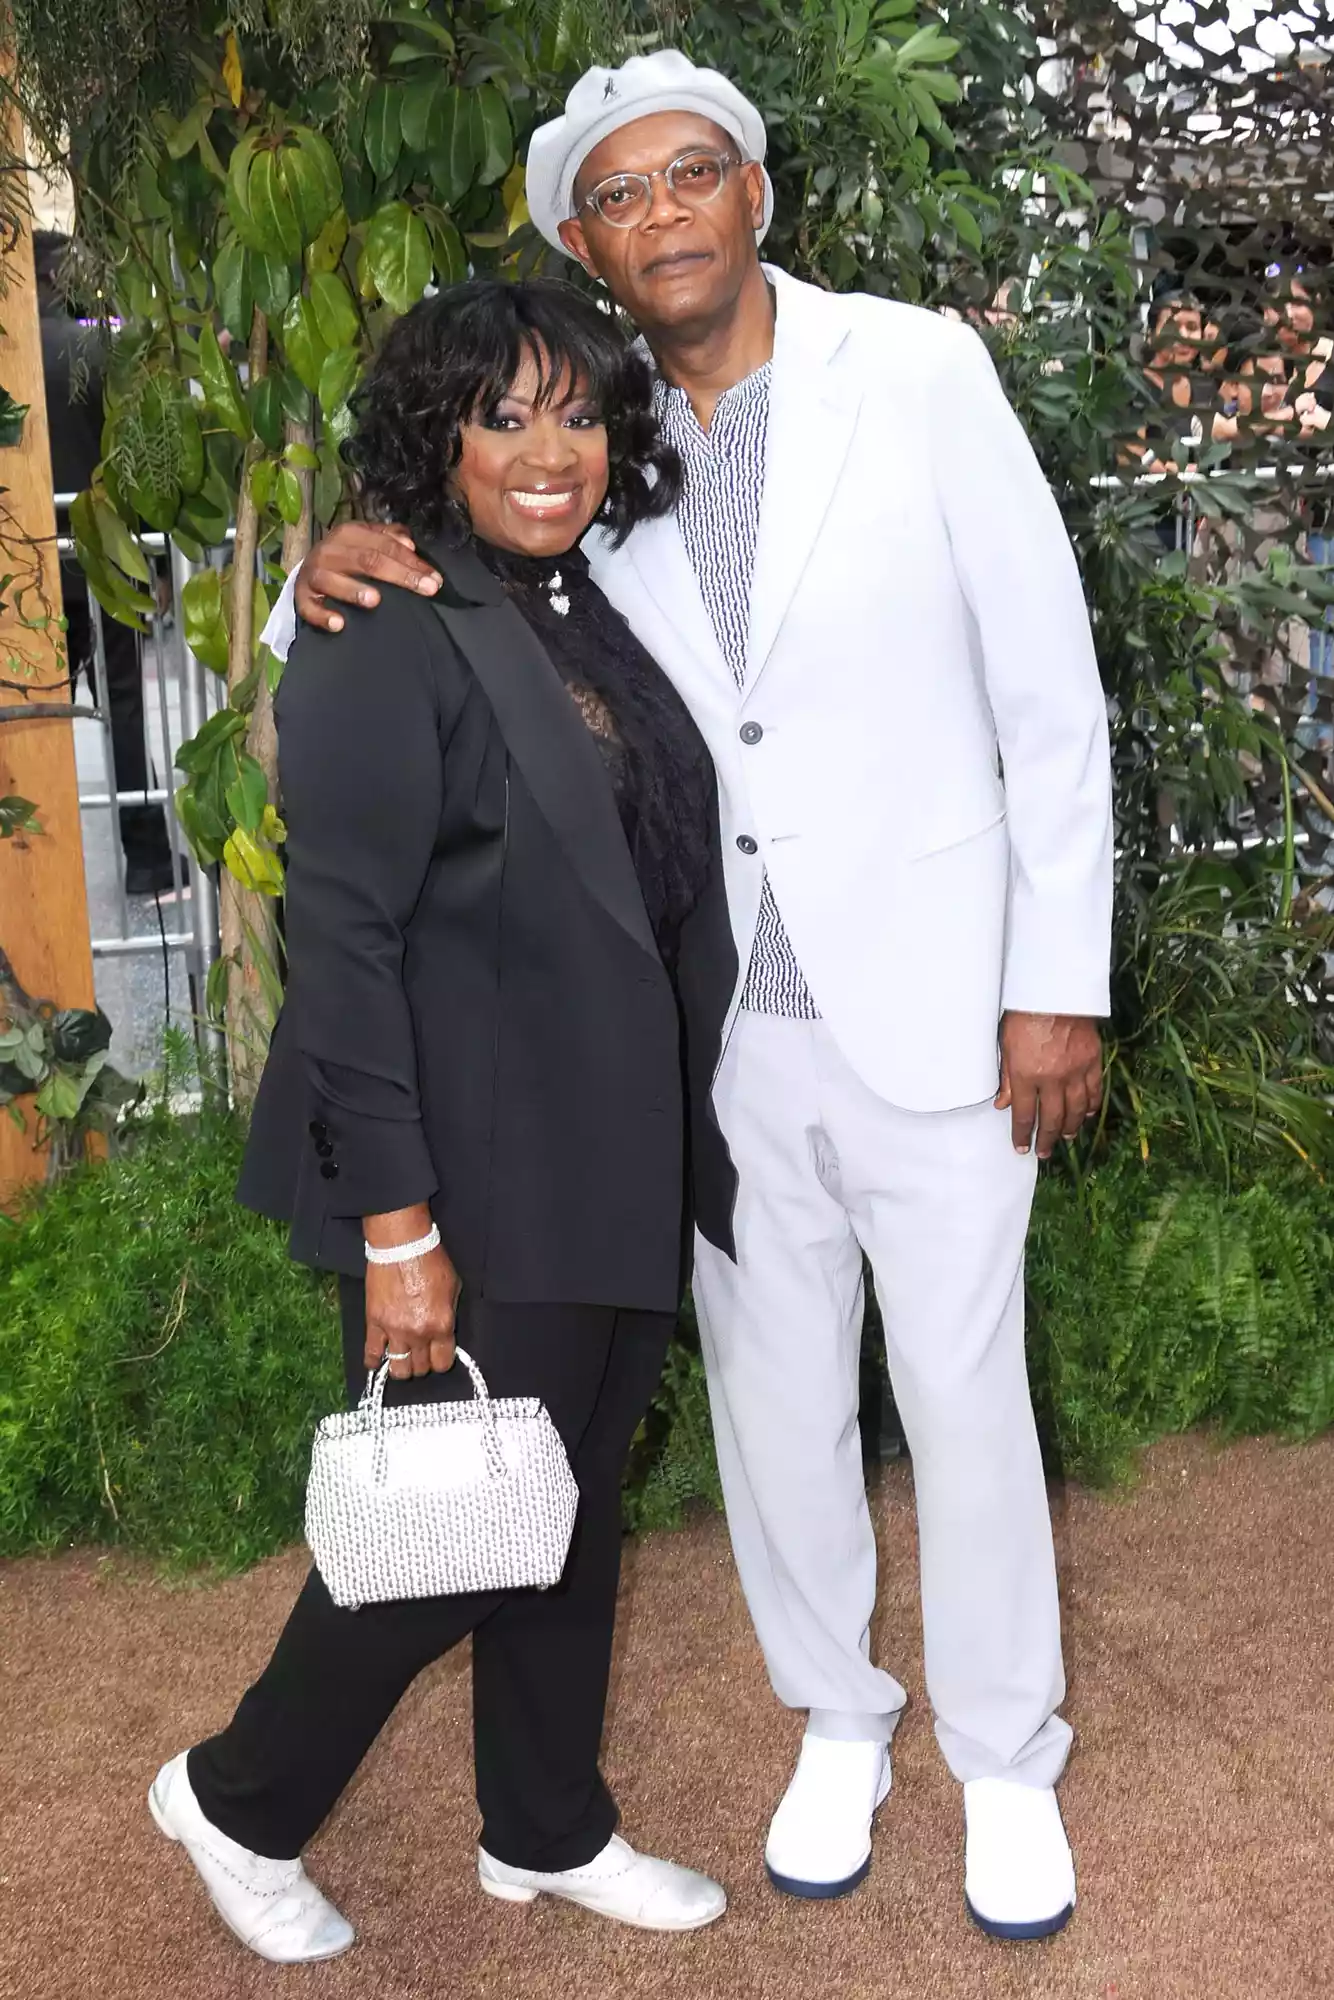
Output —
<point x="1200" y="1637"/>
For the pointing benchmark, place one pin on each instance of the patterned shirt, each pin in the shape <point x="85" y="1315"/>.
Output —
<point x="719" y="518"/>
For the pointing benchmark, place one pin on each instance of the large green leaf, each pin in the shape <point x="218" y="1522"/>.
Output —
<point x="267" y="411"/>
<point x="118" y="543"/>
<point x="263" y="474"/>
<point x="495" y="137"/>
<point x="238" y="186"/>
<point x="206" y="516"/>
<point x="272" y="211"/>
<point x="337" y="377"/>
<point x="457" y="155"/>
<point x="314" y="184"/>
<point x="383" y="134"/>
<point x="398" y="255"/>
<point x="326" y="252"/>
<point x="272" y="283"/>
<point x="328" y="482"/>
<point x="222" y="391"/>
<point x="335" y="315"/>
<point x="206" y="745"/>
<point x="233" y="288"/>
<point x="451" y="259"/>
<point x="248" y="794"/>
<point x="303" y="344"/>
<point x="288" y="495"/>
<point x="421" y="99"/>
<point x="254" y="863"/>
<point x="205" y="630"/>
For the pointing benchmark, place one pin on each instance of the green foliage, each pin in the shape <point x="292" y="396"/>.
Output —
<point x="673" y="1464"/>
<point x="17" y="816"/>
<point x="162" y="1364"/>
<point x="11" y="419"/>
<point x="1160" y="1300"/>
<point x="59" y="1058"/>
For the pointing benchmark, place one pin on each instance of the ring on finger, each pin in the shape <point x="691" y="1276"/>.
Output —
<point x="405" y="1356"/>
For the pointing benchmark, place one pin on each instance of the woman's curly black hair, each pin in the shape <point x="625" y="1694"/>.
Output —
<point x="452" y="359"/>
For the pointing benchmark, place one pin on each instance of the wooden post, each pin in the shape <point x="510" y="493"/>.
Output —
<point x="43" y="902"/>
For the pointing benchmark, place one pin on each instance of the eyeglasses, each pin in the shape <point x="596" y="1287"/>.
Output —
<point x="695" y="179"/>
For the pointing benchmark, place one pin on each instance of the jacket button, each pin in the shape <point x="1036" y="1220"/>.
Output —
<point x="329" y="1170"/>
<point x="747" y="845"/>
<point x="751" y="732"/>
<point x="318" y="1129"/>
<point x="324" y="1149"/>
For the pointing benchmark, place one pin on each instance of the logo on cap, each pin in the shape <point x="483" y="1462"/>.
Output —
<point x="610" y="89"/>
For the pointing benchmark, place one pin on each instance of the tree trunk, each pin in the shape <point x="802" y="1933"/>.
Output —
<point x="248" y="922"/>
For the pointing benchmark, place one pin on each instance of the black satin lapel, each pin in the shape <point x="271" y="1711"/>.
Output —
<point x="467" y="580"/>
<point x="553" y="748"/>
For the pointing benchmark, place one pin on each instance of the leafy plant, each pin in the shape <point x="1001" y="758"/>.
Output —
<point x="1160" y="1300"/>
<point x="17" y="816"/>
<point x="258" y="196"/>
<point x="11" y="419"/>
<point x="162" y="1364"/>
<point x="59" y="1057"/>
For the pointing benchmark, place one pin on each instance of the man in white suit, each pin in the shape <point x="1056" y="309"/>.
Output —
<point x="868" y="601"/>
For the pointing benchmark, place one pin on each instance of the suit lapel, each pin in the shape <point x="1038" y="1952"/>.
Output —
<point x="544" y="734"/>
<point x="667" y="573"/>
<point x="813" y="408"/>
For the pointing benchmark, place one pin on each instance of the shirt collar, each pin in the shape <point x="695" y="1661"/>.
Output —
<point x="681" y="426"/>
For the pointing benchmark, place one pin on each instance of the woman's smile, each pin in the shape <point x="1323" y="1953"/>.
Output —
<point x="545" y="503"/>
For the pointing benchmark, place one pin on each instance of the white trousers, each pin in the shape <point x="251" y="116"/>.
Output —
<point x="940" y="1203"/>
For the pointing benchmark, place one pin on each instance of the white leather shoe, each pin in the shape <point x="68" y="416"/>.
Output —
<point x="819" y="1841"/>
<point x="633" y="1888"/>
<point x="1019" y="1873"/>
<point x="272" y="1906"/>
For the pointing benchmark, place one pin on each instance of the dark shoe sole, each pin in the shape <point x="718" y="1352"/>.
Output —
<point x="819" y="1892"/>
<point x="1021" y="1933"/>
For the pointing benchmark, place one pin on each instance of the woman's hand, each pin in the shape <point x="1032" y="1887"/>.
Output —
<point x="338" y="567"/>
<point x="409" y="1307"/>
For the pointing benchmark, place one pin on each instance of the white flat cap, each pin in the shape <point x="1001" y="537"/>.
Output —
<point x="605" y="99"/>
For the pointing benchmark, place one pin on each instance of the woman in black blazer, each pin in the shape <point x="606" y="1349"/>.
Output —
<point x="509" y="965"/>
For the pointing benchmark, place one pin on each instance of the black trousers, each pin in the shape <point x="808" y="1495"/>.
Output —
<point x="541" y="1659"/>
<point x="143" y="828"/>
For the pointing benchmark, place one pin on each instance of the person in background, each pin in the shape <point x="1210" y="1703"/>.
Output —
<point x="1309" y="349"/>
<point x="72" y="366"/>
<point x="868" y="601"/>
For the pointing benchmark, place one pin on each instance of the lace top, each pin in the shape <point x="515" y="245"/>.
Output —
<point x="654" y="756"/>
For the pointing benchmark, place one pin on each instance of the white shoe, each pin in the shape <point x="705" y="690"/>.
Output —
<point x="1019" y="1873"/>
<point x="633" y="1888"/>
<point x="273" y="1906"/>
<point x="819" y="1841"/>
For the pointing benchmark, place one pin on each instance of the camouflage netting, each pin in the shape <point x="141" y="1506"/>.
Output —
<point x="1212" y="126"/>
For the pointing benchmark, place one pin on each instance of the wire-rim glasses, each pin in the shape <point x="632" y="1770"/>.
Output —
<point x="695" y="178"/>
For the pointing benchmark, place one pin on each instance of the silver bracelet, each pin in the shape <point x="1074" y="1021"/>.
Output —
<point x="403" y="1253"/>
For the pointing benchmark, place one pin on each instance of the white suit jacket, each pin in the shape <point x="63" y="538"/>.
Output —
<point x="917" y="628"/>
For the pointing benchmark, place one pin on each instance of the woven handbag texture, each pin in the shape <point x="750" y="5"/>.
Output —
<point x="430" y="1499"/>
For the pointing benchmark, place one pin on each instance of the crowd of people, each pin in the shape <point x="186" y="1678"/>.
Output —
<point x="1259" y="371"/>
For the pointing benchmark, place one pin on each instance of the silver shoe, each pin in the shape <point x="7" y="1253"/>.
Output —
<point x="272" y="1906"/>
<point x="632" y="1888"/>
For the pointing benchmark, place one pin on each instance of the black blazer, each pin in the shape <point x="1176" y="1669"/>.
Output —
<point x="477" y="1014"/>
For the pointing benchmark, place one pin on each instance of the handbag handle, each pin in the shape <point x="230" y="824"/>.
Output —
<point x="372" y="1404"/>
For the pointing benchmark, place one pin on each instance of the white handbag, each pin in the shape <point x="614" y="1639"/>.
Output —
<point x="429" y="1499"/>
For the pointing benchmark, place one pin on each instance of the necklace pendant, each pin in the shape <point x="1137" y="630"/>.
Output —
<point x="560" y="604"/>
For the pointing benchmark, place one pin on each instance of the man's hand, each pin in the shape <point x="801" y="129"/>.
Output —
<point x="409" y="1307"/>
<point x="338" y="568"/>
<point x="1051" y="1077"/>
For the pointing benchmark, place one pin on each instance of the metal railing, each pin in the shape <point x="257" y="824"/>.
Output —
<point x="193" y="937"/>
